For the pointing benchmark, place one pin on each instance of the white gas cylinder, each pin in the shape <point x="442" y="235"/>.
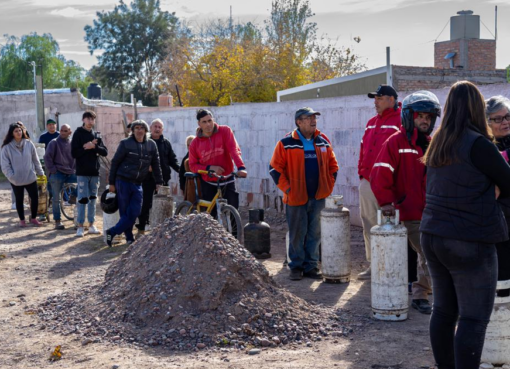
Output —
<point x="336" y="241"/>
<point x="496" y="349"/>
<point x="388" y="241"/>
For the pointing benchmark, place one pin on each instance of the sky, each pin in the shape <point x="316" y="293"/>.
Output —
<point x="409" y="28"/>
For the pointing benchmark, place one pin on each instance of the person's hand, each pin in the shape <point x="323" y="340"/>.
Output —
<point x="217" y="169"/>
<point x="498" y="192"/>
<point x="388" y="210"/>
<point x="90" y="145"/>
<point x="150" y="168"/>
<point x="242" y="173"/>
<point x="111" y="188"/>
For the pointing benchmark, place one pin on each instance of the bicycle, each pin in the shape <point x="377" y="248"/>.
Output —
<point x="227" y="215"/>
<point x="67" y="198"/>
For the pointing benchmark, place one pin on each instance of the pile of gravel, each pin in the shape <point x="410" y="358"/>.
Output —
<point x="190" y="285"/>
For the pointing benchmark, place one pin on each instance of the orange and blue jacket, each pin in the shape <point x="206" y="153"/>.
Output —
<point x="287" y="168"/>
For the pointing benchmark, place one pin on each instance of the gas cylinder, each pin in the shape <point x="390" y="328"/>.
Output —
<point x="110" y="220"/>
<point x="336" y="241"/>
<point x="496" y="349"/>
<point x="257" y="235"/>
<point x="162" y="207"/>
<point x="388" y="240"/>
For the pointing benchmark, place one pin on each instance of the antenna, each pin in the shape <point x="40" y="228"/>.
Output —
<point x="496" y="23"/>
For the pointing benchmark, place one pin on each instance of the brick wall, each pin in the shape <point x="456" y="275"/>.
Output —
<point x="406" y="78"/>
<point x="472" y="54"/>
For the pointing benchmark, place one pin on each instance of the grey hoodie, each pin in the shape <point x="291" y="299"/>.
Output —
<point x="20" y="167"/>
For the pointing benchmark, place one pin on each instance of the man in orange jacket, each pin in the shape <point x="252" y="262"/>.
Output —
<point x="377" y="131"/>
<point x="304" y="167"/>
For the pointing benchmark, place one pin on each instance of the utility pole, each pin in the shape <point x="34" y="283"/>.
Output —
<point x="35" y="96"/>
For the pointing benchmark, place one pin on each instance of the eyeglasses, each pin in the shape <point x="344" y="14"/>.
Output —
<point x="500" y="119"/>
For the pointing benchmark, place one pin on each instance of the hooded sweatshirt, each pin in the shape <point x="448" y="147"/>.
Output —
<point x="20" y="166"/>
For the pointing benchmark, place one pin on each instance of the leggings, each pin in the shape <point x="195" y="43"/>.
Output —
<point x="32" y="194"/>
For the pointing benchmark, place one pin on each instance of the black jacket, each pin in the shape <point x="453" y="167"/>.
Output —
<point x="167" y="158"/>
<point x="504" y="144"/>
<point x="87" y="161"/>
<point x="461" y="202"/>
<point x="182" y="170"/>
<point x="132" y="161"/>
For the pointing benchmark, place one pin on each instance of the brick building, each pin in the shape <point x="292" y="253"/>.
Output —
<point x="463" y="57"/>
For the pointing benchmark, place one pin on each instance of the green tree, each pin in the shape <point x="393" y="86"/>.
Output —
<point x="134" y="40"/>
<point x="17" y="54"/>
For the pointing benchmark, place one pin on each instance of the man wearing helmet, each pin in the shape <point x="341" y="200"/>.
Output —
<point x="398" y="178"/>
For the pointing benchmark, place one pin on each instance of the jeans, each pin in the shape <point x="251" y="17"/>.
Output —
<point x="87" y="196"/>
<point x="464" y="276"/>
<point x="148" y="187"/>
<point x="19" y="192"/>
<point x="129" y="197"/>
<point x="304" y="234"/>
<point x="57" y="181"/>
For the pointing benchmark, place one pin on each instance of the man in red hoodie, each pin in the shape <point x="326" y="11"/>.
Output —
<point x="379" y="128"/>
<point x="398" y="179"/>
<point x="215" y="148"/>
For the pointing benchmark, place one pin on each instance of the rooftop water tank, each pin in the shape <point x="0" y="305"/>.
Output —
<point x="464" y="25"/>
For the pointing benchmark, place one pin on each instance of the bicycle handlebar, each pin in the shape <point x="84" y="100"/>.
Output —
<point x="212" y="173"/>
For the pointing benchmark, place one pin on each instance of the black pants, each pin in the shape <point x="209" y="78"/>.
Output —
<point x="229" y="193"/>
<point x="503" y="251"/>
<point x="148" y="187"/>
<point x="19" y="192"/>
<point x="464" y="276"/>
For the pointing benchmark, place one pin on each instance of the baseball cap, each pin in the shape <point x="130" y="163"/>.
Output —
<point x="306" y="112"/>
<point x="383" y="90"/>
<point x="50" y="121"/>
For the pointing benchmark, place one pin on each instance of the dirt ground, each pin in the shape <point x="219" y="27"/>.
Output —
<point x="38" y="262"/>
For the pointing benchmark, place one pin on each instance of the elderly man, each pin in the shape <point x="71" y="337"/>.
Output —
<point x="130" y="166"/>
<point x="304" y="167"/>
<point x="379" y="128"/>
<point x="215" y="148"/>
<point x="167" y="160"/>
<point x="61" y="168"/>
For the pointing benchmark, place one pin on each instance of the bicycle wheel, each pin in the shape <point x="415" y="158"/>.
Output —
<point x="184" y="208"/>
<point x="68" y="200"/>
<point x="231" y="220"/>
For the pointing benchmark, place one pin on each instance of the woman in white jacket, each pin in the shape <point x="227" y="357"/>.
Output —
<point x="21" y="165"/>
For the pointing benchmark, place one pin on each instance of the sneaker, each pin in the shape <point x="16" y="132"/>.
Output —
<point x="296" y="274"/>
<point x="36" y="222"/>
<point x="129" y="242"/>
<point x="109" y="238"/>
<point x="22" y="223"/>
<point x="422" y="306"/>
<point x="367" y="274"/>
<point x="313" y="274"/>
<point x="93" y="230"/>
<point x="139" y="234"/>
<point x="59" y="226"/>
<point x="80" y="232"/>
<point x="13" y="206"/>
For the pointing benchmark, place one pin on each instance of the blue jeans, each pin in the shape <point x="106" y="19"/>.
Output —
<point x="87" y="196"/>
<point x="304" y="234"/>
<point x="57" y="181"/>
<point x="129" y="197"/>
<point x="464" y="276"/>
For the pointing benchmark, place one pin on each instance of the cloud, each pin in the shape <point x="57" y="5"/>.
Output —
<point x="71" y="12"/>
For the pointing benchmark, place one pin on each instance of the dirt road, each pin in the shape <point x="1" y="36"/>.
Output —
<point x="40" y="262"/>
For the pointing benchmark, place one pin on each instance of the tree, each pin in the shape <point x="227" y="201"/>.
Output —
<point x="134" y="41"/>
<point x="17" y="55"/>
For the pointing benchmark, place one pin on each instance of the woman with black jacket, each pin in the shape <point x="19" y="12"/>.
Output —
<point x="498" y="115"/>
<point x="461" y="224"/>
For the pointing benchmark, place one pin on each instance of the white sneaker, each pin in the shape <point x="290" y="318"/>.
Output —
<point x="80" y="232"/>
<point x="93" y="230"/>
<point x="13" y="206"/>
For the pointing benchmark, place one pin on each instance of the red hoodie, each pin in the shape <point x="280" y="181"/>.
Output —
<point x="218" y="149"/>
<point x="378" y="129"/>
